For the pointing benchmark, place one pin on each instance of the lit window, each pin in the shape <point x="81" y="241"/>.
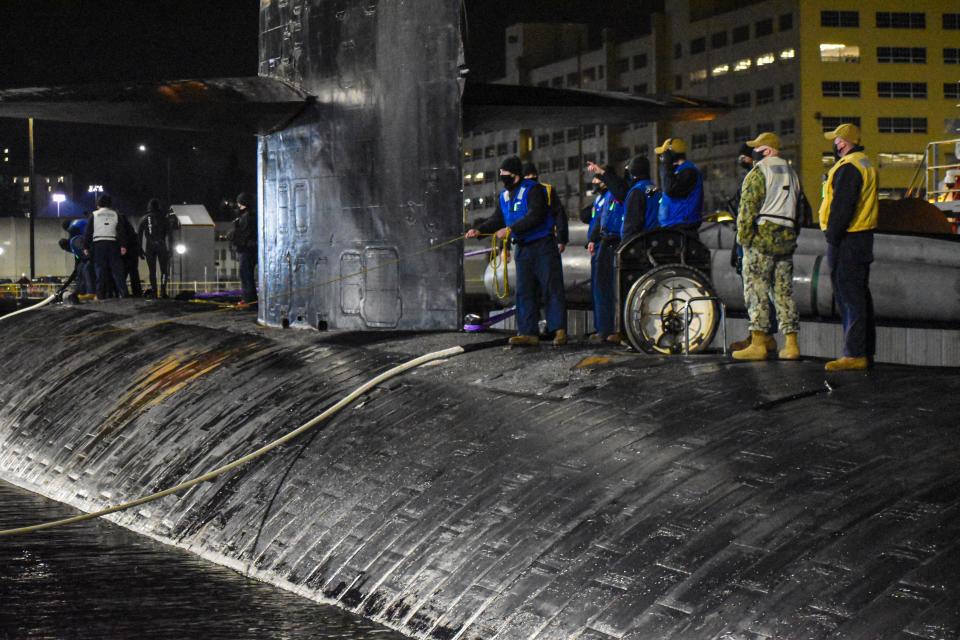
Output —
<point x="6" y="150"/>
<point x="719" y="70"/>
<point x="60" y="179"/>
<point x="839" y="53"/>
<point x="742" y="65"/>
<point x="899" y="159"/>
<point x="26" y="180"/>
<point x="765" y="59"/>
<point x="698" y="76"/>
<point x="788" y="54"/>
<point x="26" y="189"/>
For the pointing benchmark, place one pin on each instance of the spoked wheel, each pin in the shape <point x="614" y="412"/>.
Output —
<point x="653" y="314"/>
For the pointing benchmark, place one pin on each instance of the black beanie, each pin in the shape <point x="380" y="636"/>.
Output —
<point x="154" y="206"/>
<point x="530" y="169"/>
<point x="244" y="200"/>
<point x="639" y="167"/>
<point x="104" y="200"/>
<point x="513" y="165"/>
<point x="745" y="150"/>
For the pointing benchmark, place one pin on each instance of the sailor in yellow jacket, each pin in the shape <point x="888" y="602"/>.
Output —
<point x="848" y="217"/>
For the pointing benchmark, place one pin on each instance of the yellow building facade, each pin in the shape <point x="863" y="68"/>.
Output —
<point x="893" y="66"/>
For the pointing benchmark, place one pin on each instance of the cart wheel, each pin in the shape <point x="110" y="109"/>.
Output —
<point x="653" y="315"/>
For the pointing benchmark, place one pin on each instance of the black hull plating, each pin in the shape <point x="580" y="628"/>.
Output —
<point x="507" y="494"/>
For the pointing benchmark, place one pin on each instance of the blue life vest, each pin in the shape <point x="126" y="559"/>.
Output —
<point x="76" y="231"/>
<point x="515" y="208"/>
<point x="599" y="204"/>
<point x="674" y="211"/>
<point x="651" y="217"/>
<point x="611" y="221"/>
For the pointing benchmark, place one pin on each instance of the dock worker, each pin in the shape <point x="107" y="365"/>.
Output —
<point x="524" y="216"/>
<point x="81" y="273"/>
<point x="154" y="235"/>
<point x="641" y="197"/>
<point x="767" y="228"/>
<point x="848" y="217"/>
<point x="561" y="232"/>
<point x="243" y="237"/>
<point x="604" y="242"/>
<point x="681" y="205"/>
<point x="105" y="240"/>
<point x="590" y="215"/>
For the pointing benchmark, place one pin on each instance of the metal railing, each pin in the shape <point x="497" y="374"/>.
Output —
<point x="935" y="171"/>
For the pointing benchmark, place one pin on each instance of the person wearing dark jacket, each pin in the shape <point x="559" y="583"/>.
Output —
<point x="153" y="236"/>
<point x="848" y="217"/>
<point x="524" y="215"/>
<point x="131" y="257"/>
<point x="105" y="239"/>
<point x="681" y="205"/>
<point x="604" y="242"/>
<point x="555" y="203"/>
<point x="561" y="228"/>
<point x="244" y="239"/>
<point x="641" y="202"/>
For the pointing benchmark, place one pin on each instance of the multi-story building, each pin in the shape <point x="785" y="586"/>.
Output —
<point x="19" y="190"/>
<point x="796" y="68"/>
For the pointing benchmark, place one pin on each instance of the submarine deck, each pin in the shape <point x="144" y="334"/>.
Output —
<point x="507" y="493"/>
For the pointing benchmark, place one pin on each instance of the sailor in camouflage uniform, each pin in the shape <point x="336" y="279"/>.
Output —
<point x="767" y="229"/>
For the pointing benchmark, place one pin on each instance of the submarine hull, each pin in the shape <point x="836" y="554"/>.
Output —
<point x="506" y="493"/>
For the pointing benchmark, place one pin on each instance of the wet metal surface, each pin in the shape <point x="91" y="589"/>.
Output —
<point x="247" y="105"/>
<point x="98" y="581"/>
<point x="509" y="493"/>
<point x="374" y="176"/>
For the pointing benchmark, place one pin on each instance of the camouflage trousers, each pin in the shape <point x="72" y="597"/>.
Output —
<point x="767" y="278"/>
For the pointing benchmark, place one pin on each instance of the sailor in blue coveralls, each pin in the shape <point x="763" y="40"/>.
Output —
<point x="604" y="242"/>
<point x="523" y="213"/>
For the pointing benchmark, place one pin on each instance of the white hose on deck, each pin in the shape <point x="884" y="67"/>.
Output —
<point x="359" y="391"/>
<point x="42" y="303"/>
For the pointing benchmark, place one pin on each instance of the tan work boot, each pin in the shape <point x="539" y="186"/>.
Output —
<point x="847" y="363"/>
<point x="560" y="338"/>
<point x="743" y="344"/>
<point x="524" y="341"/>
<point x="757" y="349"/>
<point x="615" y="338"/>
<point x="791" y="349"/>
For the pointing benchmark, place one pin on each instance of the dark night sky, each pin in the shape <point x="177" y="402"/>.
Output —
<point x="51" y="42"/>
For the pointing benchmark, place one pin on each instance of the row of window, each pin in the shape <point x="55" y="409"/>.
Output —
<point x="887" y="19"/>
<point x="907" y="55"/>
<point x="884" y="124"/>
<point x="491" y="151"/>
<point x="763" y="96"/>
<point x="575" y="79"/>
<point x="718" y="39"/>
<point x="916" y="90"/>
<point x="700" y="75"/>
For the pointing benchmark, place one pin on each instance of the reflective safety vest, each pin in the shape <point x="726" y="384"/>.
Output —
<point x="515" y="208"/>
<point x="105" y="224"/>
<point x="651" y="217"/>
<point x="611" y="217"/>
<point x="868" y="205"/>
<point x="689" y="210"/>
<point x="599" y="204"/>
<point x="782" y="190"/>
